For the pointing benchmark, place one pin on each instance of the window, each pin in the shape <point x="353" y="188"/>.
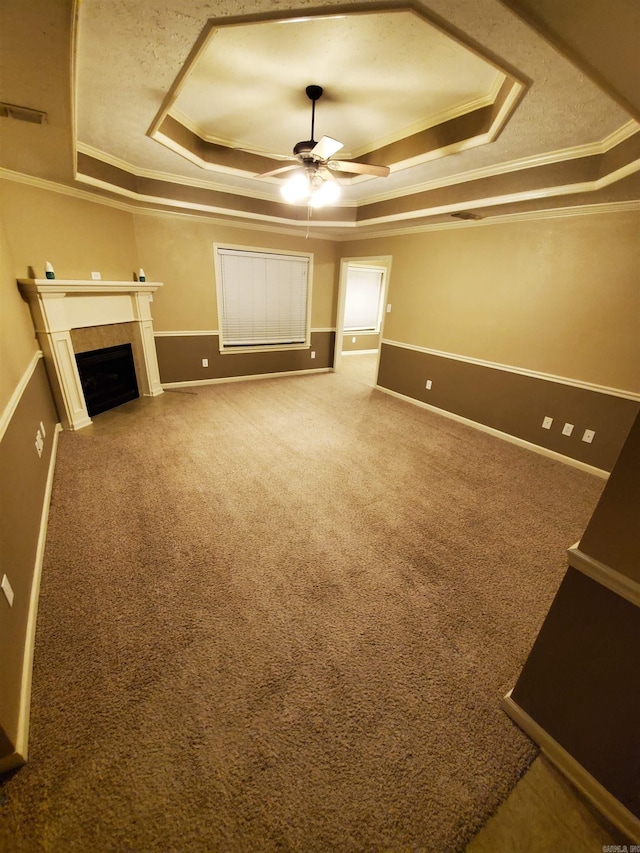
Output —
<point x="363" y="300"/>
<point x="264" y="299"/>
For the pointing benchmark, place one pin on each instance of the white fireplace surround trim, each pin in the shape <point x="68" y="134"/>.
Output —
<point x="60" y="305"/>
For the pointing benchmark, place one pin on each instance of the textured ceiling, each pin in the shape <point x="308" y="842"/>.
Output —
<point x="470" y="104"/>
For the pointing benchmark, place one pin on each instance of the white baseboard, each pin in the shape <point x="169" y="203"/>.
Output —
<point x="602" y="799"/>
<point x="505" y="436"/>
<point x="248" y="378"/>
<point x="19" y="756"/>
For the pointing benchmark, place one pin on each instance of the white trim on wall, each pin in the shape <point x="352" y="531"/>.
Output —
<point x="19" y="755"/>
<point x="212" y="332"/>
<point x="522" y="371"/>
<point x="606" y="576"/>
<point x="505" y="436"/>
<point x="18" y="391"/>
<point x="603" y="800"/>
<point x="249" y="377"/>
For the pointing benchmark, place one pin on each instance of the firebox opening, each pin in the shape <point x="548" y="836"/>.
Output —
<point x="108" y="377"/>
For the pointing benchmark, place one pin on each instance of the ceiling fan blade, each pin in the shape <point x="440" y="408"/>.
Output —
<point x="359" y="168"/>
<point x="326" y="148"/>
<point x="279" y="171"/>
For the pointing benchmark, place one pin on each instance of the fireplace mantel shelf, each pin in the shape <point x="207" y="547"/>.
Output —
<point x="69" y="286"/>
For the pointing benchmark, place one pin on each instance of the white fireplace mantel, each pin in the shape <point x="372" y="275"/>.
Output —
<point x="60" y="305"/>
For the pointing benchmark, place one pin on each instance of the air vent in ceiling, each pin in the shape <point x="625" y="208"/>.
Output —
<point x="22" y="113"/>
<point x="466" y="215"/>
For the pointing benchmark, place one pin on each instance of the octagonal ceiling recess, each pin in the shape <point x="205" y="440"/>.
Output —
<point x="239" y="93"/>
<point x="388" y="78"/>
<point x="470" y="107"/>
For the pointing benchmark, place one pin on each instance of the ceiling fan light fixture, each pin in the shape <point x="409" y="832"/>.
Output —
<point x="304" y="186"/>
<point x="327" y="193"/>
<point x="296" y="188"/>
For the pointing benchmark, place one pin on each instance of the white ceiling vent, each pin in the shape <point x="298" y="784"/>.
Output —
<point x="22" y="113"/>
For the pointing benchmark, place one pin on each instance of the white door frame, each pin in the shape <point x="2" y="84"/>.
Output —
<point x="384" y="263"/>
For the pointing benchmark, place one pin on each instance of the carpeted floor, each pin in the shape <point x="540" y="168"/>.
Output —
<point x="280" y="616"/>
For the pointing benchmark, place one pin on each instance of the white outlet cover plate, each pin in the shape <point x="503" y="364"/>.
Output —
<point x="546" y="423"/>
<point x="567" y="429"/>
<point x="7" y="589"/>
<point x="588" y="435"/>
<point x="96" y="276"/>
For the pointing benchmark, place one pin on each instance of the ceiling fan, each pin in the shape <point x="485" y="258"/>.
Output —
<point x="314" y="165"/>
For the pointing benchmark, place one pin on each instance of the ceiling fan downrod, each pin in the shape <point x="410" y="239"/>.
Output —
<point x="314" y="93"/>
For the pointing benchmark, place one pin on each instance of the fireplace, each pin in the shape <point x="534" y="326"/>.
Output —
<point x="108" y="377"/>
<point x="64" y="310"/>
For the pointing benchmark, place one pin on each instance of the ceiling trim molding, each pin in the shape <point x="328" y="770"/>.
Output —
<point x="562" y="155"/>
<point x="506" y="218"/>
<point x="316" y="230"/>
<point x="585" y="178"/>
<point x="153" y="175"/>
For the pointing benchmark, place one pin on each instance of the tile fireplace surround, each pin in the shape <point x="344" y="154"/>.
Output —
<point x="59" y="306"/>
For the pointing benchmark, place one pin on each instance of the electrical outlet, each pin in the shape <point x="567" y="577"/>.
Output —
<point x="313" y="353"/>
<point x="389" y="308"/>
<point x="205" y="362"/>
<point x="546" y="423"/>
<point x="588" y="436"/>
<point x="567" y="429"/>
<point x="8" y="591"/>
<point x="96" y="276"/>
<point x="353" y="340"/>
<point x="428" y="385"/>
<point x="39" y="443"/>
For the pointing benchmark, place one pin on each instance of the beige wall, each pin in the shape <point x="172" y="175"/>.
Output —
<point x="558" y="296"/>
<point x="178" y="250"/>
<point x="18" y="343"/>
<point x="77" y="236"/>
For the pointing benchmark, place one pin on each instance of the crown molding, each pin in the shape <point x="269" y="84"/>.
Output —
<point x="154" y="175"/>
<point x="315" y="230"/>
<point x="560" y="156"/>
<point x="502" y="219"/>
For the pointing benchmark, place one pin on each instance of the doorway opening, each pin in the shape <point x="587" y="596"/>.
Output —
<point x="362" y="307"/>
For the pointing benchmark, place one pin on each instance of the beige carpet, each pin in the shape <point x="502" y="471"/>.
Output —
<point x="280" y="616"/>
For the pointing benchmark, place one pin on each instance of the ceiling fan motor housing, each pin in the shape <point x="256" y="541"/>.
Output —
<point x="304" y="147"/>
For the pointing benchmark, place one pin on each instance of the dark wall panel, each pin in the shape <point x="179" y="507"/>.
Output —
<point x="180" y="358"/>
<point x="514" y="403"/>
<point x="24" y="478"/>
<point x="582" y="679"/>
<point x="613" y="535"/>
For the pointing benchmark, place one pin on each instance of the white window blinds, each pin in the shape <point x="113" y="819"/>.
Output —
<point x="263" y="298"/>
<point x="362" y="303"/>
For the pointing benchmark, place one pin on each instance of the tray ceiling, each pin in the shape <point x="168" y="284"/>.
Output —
<point x="473" y="107"/>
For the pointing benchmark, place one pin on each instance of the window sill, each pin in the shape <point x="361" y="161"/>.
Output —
<point x="231" y="350"/>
